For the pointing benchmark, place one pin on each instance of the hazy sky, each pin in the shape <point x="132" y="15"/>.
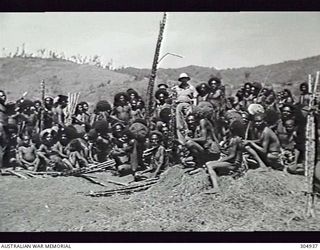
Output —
<point x="221" y="40"/>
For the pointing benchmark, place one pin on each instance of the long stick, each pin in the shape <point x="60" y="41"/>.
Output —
<point x="16" y="174"/>
<point x="92" y="180"/>
<point x="316" y="83"/>
<point x="154" y="69"/>
<point x="123" y="190"/>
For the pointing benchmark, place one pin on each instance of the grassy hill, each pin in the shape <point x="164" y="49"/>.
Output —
<point x="288" y="73"/>
<point x="18" y="75"/>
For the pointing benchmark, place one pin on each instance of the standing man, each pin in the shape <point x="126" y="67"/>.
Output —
<point x="185" y="91"/>
<point x="3" y="123"/>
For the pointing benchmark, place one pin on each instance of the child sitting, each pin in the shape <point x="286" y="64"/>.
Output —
<point x="27" y="154"/>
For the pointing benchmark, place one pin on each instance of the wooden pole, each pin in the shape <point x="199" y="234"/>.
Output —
<point x="149" y="104"/>
<point x="310" y="160"/>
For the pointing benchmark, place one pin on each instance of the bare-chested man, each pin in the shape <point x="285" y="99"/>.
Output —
<point x="266" y="148"/>
<point x="200" y="137"/>
<point x="121" y="107"/>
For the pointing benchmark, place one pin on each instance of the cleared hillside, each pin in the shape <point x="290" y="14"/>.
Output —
<point x="18" y="75"/>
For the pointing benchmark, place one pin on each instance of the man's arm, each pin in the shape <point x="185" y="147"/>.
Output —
<point x="204" y="134"/>
<point x="20" y="157"/>
<point x="265" y="144"/>
<point x="232" y="154"/>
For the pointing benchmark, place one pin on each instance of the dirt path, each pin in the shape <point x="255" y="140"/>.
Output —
<point x="258" y="201"/>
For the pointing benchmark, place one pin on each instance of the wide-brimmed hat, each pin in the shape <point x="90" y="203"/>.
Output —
<point x="183" y="75"/>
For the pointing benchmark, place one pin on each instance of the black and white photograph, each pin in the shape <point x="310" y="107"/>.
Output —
<point x="159" y="121"/>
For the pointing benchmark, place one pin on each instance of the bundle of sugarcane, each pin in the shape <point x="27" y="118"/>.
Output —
<point x="109" y="164"/>
<point x="73" y="99"/>
<point x="126" y="190"/>
<point x="92" y="168"/>
<point x="310" y="159"/>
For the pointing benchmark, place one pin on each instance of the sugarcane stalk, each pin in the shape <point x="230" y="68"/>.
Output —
<point x="32" y="175"/>
<point x="123" y="190"/>
<point x="127" y="188"/>
<point x="16" y="174"/>
<point x="92" y="180"/>
<point x="41" y="173"/>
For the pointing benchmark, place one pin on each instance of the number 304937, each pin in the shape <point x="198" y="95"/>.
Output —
<point x="308" y="246"/>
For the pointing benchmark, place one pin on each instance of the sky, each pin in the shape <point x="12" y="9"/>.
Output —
<point x="212" y="39"/>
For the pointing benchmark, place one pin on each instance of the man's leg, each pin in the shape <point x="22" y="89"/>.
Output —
<point x="195" y="148"/>
<point x="255" y="155"/>
<point x="212" y="166"/>
<point x="213" y="177"/>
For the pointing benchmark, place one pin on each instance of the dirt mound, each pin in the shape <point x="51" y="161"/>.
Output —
<point x="175" y="180"/>
<point x="259" y="201"/>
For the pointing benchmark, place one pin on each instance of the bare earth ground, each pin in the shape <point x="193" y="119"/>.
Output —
<point x="259" y="201"/>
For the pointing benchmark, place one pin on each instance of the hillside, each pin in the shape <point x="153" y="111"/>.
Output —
<point x="288" y="73"/>
<point x="18" y="75"/>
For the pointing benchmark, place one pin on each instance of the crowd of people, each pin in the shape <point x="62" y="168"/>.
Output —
<point x="193" y="126"/>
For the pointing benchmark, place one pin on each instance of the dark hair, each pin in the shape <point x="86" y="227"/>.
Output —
<point x="25" y="104"/>
<point x="132" y="91"/>
<point x="128" y="133"/>
<point x="159" y="134"/>
<point x="199" y="86"/>
<point x="304" y="84"/>
<point x="271" y="117"/>
<point x="288" y="91"/>
<point x="101" y="126"/>
<point x="165" y="114"/>
<point x="237" y="128"/>
<point x="75" y="145"/>
<point x="117" y="98"/>
<point x="161" y="91"/>
<point x="247" y="83"/>
<point x="103" y="106"/>
<point x="288" y="105"/>
<point x="216" y="79"/>
<point x="69" y="131"/>
<point x="76" y="112"/>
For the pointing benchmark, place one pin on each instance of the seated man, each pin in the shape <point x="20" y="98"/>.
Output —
<point x="122" y="149"/>
<point x="266" y="149"/>
<point x="232" y="158"/>
<point x="200" y="138"/>
<point x="289" y="150"/>
<point x="155" y="157"/>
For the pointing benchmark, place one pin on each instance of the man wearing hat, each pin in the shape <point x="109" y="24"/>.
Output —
<point x="185" y="92"/>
